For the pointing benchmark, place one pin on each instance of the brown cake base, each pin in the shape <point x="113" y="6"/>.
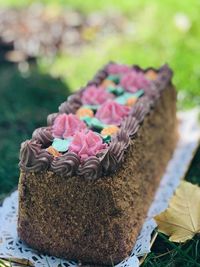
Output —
<point x="97" y="221"/>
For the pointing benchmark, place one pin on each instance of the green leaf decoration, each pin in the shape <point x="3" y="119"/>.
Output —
<point x="93" y="107"/>
<point x="87" y="120"/>
<point x="93" y="123"/>
<point x="138" y="93"/>
<point x="118" y="90"/>
<point x="61" y="145"/>
<point x="97" y="124"/>
<point x="106" y="138"/>
<point x="123" y="98"/>
<point x="114" y="78"/>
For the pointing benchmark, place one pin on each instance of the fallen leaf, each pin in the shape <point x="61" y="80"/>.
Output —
<point x="181" y="220"/>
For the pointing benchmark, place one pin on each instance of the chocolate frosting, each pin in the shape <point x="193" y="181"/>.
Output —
<point x="113" y="156"/>
<point x="109" y="162"/>
<point x="119" y="144"/>
<point x="91" y="168"/>
<point x="130" y="125"/>
<point x="51" y="118"/>
<point x="141" y="109"/>
<point x="43" y="135"/>
<point x="71" y="104"/>
<point x="33" y="157"/>
<point x="152" y="92"/>
<point x="99" y="77"/>
<point x="164" y="77"/>
<point x="66" y="165"/>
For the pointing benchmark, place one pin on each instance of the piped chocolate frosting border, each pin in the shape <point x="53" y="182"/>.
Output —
<point x="35" y="158"/>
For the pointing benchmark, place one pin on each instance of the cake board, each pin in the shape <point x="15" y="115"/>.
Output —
<point x="13" y="250"/>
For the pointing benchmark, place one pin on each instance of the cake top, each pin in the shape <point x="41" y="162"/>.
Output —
<point x="94" y="127"/>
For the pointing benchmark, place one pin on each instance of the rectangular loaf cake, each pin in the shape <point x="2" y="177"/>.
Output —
<point x="89" y="177"/>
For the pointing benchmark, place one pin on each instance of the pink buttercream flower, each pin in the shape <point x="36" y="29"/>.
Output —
<point x="67" y="125"/>
<point x="86" y="144"/>
<point x="133" y="80"/>
<point x="95" y="95"/>
<point x="118" y="69"/>
<point x="112" y="113"/>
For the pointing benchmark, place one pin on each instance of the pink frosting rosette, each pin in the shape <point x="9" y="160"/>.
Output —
<point x="94" y="95"/>
<point x="134" y="80"/>
<point x="112" y="113"/>
<point x="86" y="144"/>
<point x="66" y="125"/>
<point x="118" y="69"/>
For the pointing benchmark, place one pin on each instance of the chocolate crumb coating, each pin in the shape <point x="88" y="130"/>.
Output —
<point x="97" y="221"/>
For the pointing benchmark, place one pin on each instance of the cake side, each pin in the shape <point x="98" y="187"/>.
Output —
<point x="98" y="220"/>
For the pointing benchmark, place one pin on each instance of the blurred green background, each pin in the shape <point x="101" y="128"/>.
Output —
<point x="152" y="33"/>
<point x="51" y="48"/>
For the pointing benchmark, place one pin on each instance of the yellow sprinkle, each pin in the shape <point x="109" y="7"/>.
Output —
<point x="131" y="101"/>
<point x="84" y="112"/>
<point x="53" y="151"/>
<point x="108" y="83"/>
<point x="151" y="74"/>
<point x="110" y="130"/>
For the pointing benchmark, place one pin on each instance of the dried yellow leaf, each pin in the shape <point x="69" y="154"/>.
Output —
<point x="181" y="220"/>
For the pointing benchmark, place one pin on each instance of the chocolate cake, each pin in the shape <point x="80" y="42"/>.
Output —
<point x="88" y="178"/>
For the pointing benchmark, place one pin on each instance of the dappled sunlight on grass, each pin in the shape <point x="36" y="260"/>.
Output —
<point x="156" y="33"/>
<point x="24" y="105"/>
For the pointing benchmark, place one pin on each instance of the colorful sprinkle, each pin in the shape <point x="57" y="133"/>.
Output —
<point x="53" y="151"/>
<point x="61" y="145"/>
<point x="84" y="112"/>
<point x="151" y="74"/>
<point x="131" y="101"/>
<point x="106" y="83"/>
<point x="109" y="130"/>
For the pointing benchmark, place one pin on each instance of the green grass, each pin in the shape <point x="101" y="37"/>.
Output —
<point x="153" y="39"/>
<point x="168" y="254"/>
<point x="25" y="103"/>
<point x="84" y="6"/>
